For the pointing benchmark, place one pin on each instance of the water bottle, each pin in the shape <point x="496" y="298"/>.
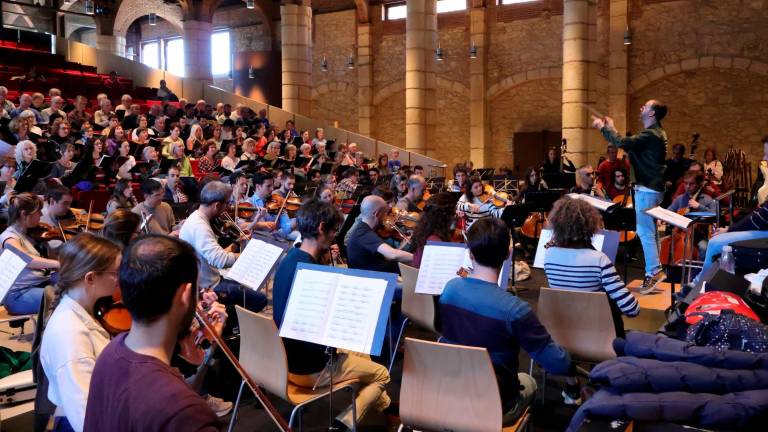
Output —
<point x="726" y="260"/>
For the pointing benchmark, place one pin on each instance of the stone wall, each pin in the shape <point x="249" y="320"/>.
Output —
<point x="334" y="96"/>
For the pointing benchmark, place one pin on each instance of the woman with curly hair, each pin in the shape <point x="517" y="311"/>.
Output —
<point x="437" y="223"/>
<point x="572" y="263"/>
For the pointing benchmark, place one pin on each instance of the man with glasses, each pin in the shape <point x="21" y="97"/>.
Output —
<point x="586" y="184"/>
<point x="157" y="216"/>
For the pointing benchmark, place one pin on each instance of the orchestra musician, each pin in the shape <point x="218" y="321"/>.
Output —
<point x="618" y="187"/>
<point x="533" y="182"/>
<point x="24" y="212"/>
<point x="122" y="197"/>
<point x="365" y="249"/>
<point x="647" y="151"/>
<point x="348" y="184"/>
<point x="133" y="382"/>
<point x="173" y="192"/>
<point x="73" y="338"/>
<point x="695" y="199"/>
<point x="399" y="185"/>
<point x="318" y="223"/>
<point x="122" y="227"/>
<point x="586" y="183"/>
<point x="197" y="231"/>
<point x="58" y="200"/>
<point x="460" y="177"/>
<point x="437" y="223"/>
<point x="606" y="168"/>
<point x="555" y="163"/>
<point x="410" y="202"/>
<point x="157" y="215"/>
<point x="475" y="204"/>
<point x="262" y="191"/>
<point x="240" y="187"/>
<point x="286" y="186"/>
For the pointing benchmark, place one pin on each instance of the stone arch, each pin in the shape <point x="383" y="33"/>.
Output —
<point x="521" y="78"/>
<point x="21" y="20"/>
<point x="397" y="86"/>
<point x="335" y="87"/>
<point x="131" y="10"/>
<point x="690" y="64"/>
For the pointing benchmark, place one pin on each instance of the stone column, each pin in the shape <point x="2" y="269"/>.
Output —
<point x="111" y="43"/>
<point x="478" y="113"/>
<point x="365" y="78"/>
<point x="617" y="65"/>
<point x="578" y="42"/>
<point x="197" y="49"/>
<point x="296" y="36"/>
<point x="420" y="80"/>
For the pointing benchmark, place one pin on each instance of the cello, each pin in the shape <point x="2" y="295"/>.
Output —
<point x="625" y="201"/>
<point x="675" y="242"/>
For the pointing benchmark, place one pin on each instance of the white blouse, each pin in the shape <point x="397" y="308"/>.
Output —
<point x="72" y="341"/>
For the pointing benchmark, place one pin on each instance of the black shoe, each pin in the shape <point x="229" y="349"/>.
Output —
<point x="650" y="283"/>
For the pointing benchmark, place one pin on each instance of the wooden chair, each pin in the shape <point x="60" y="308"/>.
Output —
<point x="263" y="357"/>
<point x="417" y="308"/>
<point x="451" y="387"/>
<point x="579" y="321"/>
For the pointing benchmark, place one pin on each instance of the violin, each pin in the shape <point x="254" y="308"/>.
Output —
<point x="243" y="210"/>
<point x="499" y="199"/>
<point x="44" y="232"/>
<point x="424" y="197"/>
<point x="112" y="314"/>
<point x="290" y="203"/>
<point x="345" y="205"/>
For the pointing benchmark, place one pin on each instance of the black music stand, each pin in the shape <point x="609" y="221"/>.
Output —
<point x="504" y="183"/>
<point x="560" y="180"/>
<point x="621" y="219"/>
<point x="514" y="216"/>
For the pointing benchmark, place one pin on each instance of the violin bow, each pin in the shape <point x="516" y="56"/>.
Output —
<point x="61" y="230"/>
<point x="88" y="219"/>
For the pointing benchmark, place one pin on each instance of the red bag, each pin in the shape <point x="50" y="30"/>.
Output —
<point x="715" y="302"/>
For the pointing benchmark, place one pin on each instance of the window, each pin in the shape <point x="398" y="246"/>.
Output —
<point x="150" y="54"/>
<point x="174" y="56"/>
<point x="508" y="2"/>
<point x="451" y="5"/>
<point x="395" y="12"/>
<point x="221" y="56"/>
<point x="400" y="10"/>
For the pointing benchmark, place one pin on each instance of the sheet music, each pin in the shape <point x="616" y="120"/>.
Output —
<point x="12" y="266"/>
<point x="598" y="242"/>
<point x="669" y="217"/>
<point x="254" y="263"/>
<point x="597" y="203"/>
<point x="357" y="300"/>
<point x="439" y="265"/>
<point x="501" y="282"/>
<point x="334" y="309"/>
<point x="308" y="305"/>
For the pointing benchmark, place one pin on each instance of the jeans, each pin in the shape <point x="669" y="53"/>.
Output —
<point x="527" y="394"/>
<point x="232" y="293"/>
<point x="24" y="301"/>
<point x="646" y="229"/>
<point x="716" y="243"/>
<point x="350" y="365"/>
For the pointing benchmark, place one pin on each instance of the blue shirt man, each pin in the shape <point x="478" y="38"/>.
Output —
<point x="263" y="184"/>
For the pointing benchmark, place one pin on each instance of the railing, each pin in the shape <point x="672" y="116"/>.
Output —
<point x="192" y="90"/>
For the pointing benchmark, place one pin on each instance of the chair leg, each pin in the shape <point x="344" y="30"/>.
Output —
<point x="354" y="409"/>
<point x="397" y="345"/>
<point x="400" y="428"/>
<point x="234" y="409"/>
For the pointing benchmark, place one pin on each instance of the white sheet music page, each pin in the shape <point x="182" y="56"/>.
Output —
<point x="546" y="235"/>
<point x="597" y="203"/>
<point x="254" y="263"/>
<point x="309" y="305"/>
<point x="669" y="217"/>
<point x="352" y="321"/>
<point x="12" y="266"/>
<point x="439" y="265"/>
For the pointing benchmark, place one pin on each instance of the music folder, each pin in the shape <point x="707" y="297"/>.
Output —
<point x="443" y="261"/>
<point x="669" y="217"/>
<point x="339" y="307"/>
<point x="256" y="262"/>
<point x="13" y="262"/>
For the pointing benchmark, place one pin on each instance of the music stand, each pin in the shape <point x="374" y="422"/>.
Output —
<point x="621" y="219"/>
<point x="514" y="216"/>
<point x="505" y="183"/>
<point x="435" y="184"/>
<point x="563" y="180"/>
<point x="484" y="173"/>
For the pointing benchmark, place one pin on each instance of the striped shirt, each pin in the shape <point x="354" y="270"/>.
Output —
<point x="486" y="209"/>
<point x="588" y="270"/>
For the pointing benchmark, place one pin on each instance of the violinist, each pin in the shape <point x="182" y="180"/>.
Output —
<point x="24" y="211"/>
<point x="365" y="249"/>
<point x="240" y="186"/>
<point x="325" y="194"/>
<point x="262" y="191"/>
<point x="410" y="202"/>
<point x="156" y="215"/>
<point x="475" y="204"/>
<point x="437" y="223"/>
<point x="58" y="200"/>
<point x="399" y="185"/>
<point x="286" y="186"/>
<point x="122" y="197"/>
<point x="197" y="231"/>
<point x="373" y="178"/>
<point x="586" y="184"/>
<point x="73" y="338"/>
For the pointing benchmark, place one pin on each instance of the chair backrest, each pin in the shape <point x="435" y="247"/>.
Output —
<point x="579" y="321"/>
<point x="419" y="308"/>
<point x="449" y="387"/>
<point x="262" y="353"/>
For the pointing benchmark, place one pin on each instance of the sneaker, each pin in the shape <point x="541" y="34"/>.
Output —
<point x="218" y="405"/>
<point x="571" y="399"/>
<point x="651" y="283"/>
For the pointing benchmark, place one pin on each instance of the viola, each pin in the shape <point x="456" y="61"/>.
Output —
<point x="44" y="232"/>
